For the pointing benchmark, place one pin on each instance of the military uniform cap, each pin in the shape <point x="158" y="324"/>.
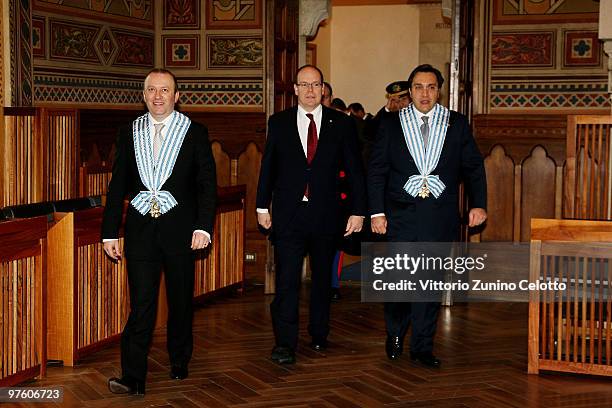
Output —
<point x="397" y="88"/>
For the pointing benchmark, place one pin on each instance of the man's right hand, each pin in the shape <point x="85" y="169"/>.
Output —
<point x="112" y="249"/>
<point x="265" y="220"/>
<point x="379" y="224"/>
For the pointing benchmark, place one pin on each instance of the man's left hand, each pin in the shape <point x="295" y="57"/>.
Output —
<point x="199" y="240"/>
<point x="354" y="224"/>
<point x="477" y="216"/>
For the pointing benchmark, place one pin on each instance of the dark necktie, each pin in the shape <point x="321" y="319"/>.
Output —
<point x="425" y="130"/>
<point x="311" y="143"/>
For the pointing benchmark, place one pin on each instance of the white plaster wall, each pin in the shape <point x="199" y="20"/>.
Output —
<point x="371" y="46"/>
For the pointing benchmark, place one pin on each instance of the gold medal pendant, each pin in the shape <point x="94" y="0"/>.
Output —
<point x="155" y="211"/>
<point x="424" y="193"/>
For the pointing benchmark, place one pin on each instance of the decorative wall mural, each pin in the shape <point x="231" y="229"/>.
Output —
<point x="233" y="13"/>
<point x="181" y="51"/>
<point x="581" y="48"/>
<point x="106" y="46"/>
<point x="134" y="48"/>
<point x="139" y="12"/>
<point x="39" y="37"/>
<point x="181" y="14"/>
<point x="235" y="52"/>
<point x="524" y="49"/>
<point x="71" y="41"/>
<point x="544" y="11"/>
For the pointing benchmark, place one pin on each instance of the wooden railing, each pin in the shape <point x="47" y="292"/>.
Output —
<point x="94" y="179"/>
<point x="88" y="301"/>
<point x="570" y="330"/>
<point x="22" y="300"/>
<point x="222" y="266"/>
<point x="588" y="193"/>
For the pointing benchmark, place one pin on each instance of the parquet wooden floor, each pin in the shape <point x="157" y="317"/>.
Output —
<point x="483" y="348"/>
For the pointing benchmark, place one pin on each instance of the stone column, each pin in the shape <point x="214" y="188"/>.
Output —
<point x="312" y="12"/>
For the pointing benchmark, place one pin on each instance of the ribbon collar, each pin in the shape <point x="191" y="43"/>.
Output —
<point x="154" y="175"/>
<point x="426" y="160"/>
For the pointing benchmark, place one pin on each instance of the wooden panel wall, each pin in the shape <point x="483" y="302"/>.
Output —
<point x="223" y="164"/>
<point x="22" y="177"/>
<point x="524" y="160"/>
<point x="61" y="139"/>
<point x="22" y="300"/>
<point x="39" y="147"/>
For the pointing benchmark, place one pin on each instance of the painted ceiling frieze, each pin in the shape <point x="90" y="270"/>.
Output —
<point x="233" y="14"/>
<point x="235" y="52"/>
<point x="135" y="49"/>
<point x="544" y="11"/>
<point x="71" y="41"/>
<point x="181" y="14"/>
<point x="135" y="12"/>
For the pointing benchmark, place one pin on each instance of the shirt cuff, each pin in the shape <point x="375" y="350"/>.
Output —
<point x="377" y="215"/>
<point x="205" y="233"/>
<point x="262" y="211"/>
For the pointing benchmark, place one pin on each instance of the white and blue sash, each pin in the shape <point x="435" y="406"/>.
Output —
<point x="154" y="175"/>
<point x="426" y="160"/>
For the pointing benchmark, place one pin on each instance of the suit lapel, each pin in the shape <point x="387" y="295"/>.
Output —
<point x="326" y="125"/>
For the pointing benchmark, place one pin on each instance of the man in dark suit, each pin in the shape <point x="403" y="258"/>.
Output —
<point x="421" y="155"/>
<point x="303" y="189"/>
<point x="165" y="167"/>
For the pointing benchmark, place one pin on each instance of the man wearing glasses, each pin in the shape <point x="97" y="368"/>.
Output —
<point x="421" y="155"/>
<point x="306" y="147"/>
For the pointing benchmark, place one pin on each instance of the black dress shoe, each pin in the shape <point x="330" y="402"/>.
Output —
<point x="426" y="358"/>
<point x="335" y="294"/>
<point x="394" y="346"/>
<point x="178" y="372"/>
<point x="283" y="355"/>
<point x="318" y="345"/>
<point x="125" y="385"/>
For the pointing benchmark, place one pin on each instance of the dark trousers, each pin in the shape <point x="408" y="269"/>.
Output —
<point x="400" y="315"/>
<point x="290" y="247"/>
<point x="143" y="279"/>
<point x="422" y="315"/>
